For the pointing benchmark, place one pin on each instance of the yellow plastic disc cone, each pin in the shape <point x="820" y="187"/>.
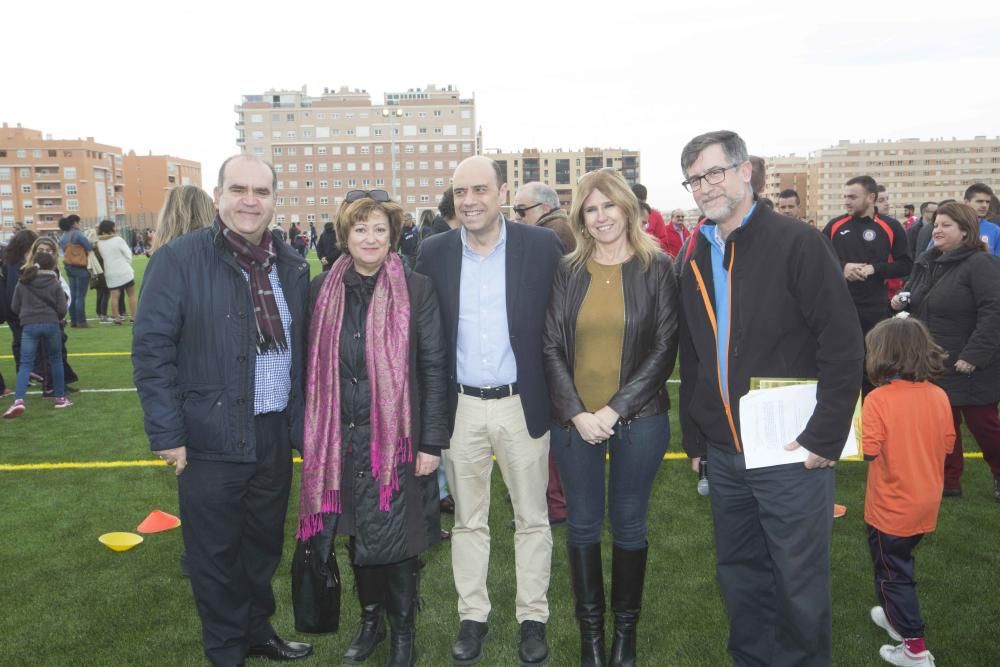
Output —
<point x="120" y="541"/>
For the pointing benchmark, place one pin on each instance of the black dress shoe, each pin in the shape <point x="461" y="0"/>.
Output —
<point x="277" y="648"/>
<point x="448" y="505"/>
<point x="532" y="650"/>
<point x="468" y="648"/>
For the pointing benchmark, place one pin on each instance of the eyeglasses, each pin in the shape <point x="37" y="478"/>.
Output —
<point x="521" y="210"/>
<point x="712" y="177"/>
<point x="377" y="195"/>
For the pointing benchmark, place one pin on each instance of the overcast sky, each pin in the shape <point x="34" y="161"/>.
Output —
<point x="788" y="76"/>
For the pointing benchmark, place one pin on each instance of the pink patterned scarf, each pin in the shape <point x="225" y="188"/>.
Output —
<point x="387" y="348"/>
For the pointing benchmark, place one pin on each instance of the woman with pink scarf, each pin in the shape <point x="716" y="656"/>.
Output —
<point x="376" y="419"/>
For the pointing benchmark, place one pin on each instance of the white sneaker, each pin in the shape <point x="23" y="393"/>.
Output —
<point x="879" y="619"/>
<point x="898" y="655"/>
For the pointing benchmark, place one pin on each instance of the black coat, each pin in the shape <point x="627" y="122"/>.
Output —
<point x="327" y="248"/>
<point x="957" y="295"/>
<point x="791" y="316"/>
<point x="533" y="255"/>
<point x="194" y="346"/>
<point x="649" y="346"/>
<point x="413" y="521"/>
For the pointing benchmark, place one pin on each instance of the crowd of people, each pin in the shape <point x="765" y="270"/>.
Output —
<point x="426" y="350"/>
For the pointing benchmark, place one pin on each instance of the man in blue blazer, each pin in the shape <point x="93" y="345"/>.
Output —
<point x="492" y="280"/>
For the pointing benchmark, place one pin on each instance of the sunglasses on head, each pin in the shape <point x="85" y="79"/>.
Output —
<point x="377" y="195"/>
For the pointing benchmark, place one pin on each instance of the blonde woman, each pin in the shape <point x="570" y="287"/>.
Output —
<point x="615" y="291"/>
<point x="186" y="209"/>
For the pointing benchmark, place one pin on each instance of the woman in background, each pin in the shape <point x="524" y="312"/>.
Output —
<point x="186" y="209"/>
<point x="118" y="272"/>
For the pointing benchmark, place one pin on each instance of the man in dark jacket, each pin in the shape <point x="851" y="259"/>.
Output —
<point x="493" y="280"/>
<point x="762" y="296"/>
<point x="218" y="357"/>
<point x="921" y="230"/>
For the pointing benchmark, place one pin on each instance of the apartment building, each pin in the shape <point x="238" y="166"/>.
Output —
<point x="561" y="169"/>
<point x="148" y="178"/>
<point x="913" y="171"/>
<point x="43" y="179"/>
<point x="323" y="146"/>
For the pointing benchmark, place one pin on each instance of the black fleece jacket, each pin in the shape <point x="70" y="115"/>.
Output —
<point x="790" y="316"/>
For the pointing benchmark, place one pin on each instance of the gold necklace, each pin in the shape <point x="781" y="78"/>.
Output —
<point x="605" y="273"/>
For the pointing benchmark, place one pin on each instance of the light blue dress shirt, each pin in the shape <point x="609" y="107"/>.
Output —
<point x="484" y="355"/>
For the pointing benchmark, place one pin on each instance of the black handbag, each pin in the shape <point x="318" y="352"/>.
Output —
<point x="316" y="585"/>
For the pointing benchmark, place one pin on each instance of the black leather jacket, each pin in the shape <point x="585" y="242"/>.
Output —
<point x="649" y="347"/>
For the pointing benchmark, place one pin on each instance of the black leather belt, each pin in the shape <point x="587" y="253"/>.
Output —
<point x="486" y="393"/>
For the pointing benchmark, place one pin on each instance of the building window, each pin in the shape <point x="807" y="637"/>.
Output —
<point x="69" y="173"/>
<point x="352" y="183"/>
<point x="292" y="168"/>
<point x="408" y="148"/>
<point x="26" y="189"/>
<point x="280" y="219"/>
<point x="290" y="117"/>
<point x="276" y="150"/>
<point x="293" y="201"/>
<point x="411" y="199"/>
<point x="424" y="199"/>
<point x="291" y="134"/>
<point x="71" y="188"/>
<point x="4" y="173"/>
<point x="310" y="201"/>
<point x="27" y="203"/>
<point x="323" y="201"/>
<point x="72" y="204"/>
<point x="380" y="149"/>
<point x="323" y="185"/>
<point x="379" y="182"/>
<point x="338" y="184"/>
<point x="321" y="150"/>
<point x="307" y="168"/>
<point x="439" y="182"/>
<point x="279" y="201"/>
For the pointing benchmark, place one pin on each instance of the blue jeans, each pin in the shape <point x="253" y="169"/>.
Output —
<point x="637" y="450"/>
<point x="31" y="335"/>
<point x="78" y="278"/>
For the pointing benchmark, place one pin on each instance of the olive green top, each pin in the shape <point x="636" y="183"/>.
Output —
<point x="600" y="333"/>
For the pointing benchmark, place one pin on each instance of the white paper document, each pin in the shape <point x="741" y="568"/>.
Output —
<point x="772" y="418"/>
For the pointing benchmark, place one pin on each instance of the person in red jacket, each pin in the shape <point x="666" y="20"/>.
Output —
<point x="677" y="233"/>
<point x="655" y="224"/>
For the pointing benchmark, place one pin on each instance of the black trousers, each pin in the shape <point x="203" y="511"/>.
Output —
<point x="870" y="315"/>
<point x="233" y="518"/>
<point x="895" y="587"/>
<point x="773" y="529"/>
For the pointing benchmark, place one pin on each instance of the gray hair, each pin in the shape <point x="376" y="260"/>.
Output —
<point x="542" y="194"/>
<point x="242" y="156"/>
<point x="734" y="147"/>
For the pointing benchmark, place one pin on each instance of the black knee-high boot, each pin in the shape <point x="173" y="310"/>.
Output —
<point x="628" y="574"/>
<point x="401" y="609"/>
<point x="369" y="582"/>
<point x="588" y="591"/>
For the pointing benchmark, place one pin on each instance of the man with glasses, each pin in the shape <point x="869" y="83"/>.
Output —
<point x="762" y="296"/>
<point x="493" y="280"/>
<point x="538" y="204"/>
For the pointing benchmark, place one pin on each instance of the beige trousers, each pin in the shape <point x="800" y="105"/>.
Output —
<point x="484" y="428"/>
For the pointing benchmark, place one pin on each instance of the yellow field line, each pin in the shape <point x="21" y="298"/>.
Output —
<point x="83" y="354"/>
<point x="90" y="465"/>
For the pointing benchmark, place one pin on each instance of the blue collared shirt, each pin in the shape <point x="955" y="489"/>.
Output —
<point x="720" y="280"/>
<point x="484" y="355"/>
<point x="273" y="371"/>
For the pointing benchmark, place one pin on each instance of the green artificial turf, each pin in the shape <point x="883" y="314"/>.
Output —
<point x="67" y="600"/>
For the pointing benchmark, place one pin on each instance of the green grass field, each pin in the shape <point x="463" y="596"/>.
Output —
<point x="67" y="600"/>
